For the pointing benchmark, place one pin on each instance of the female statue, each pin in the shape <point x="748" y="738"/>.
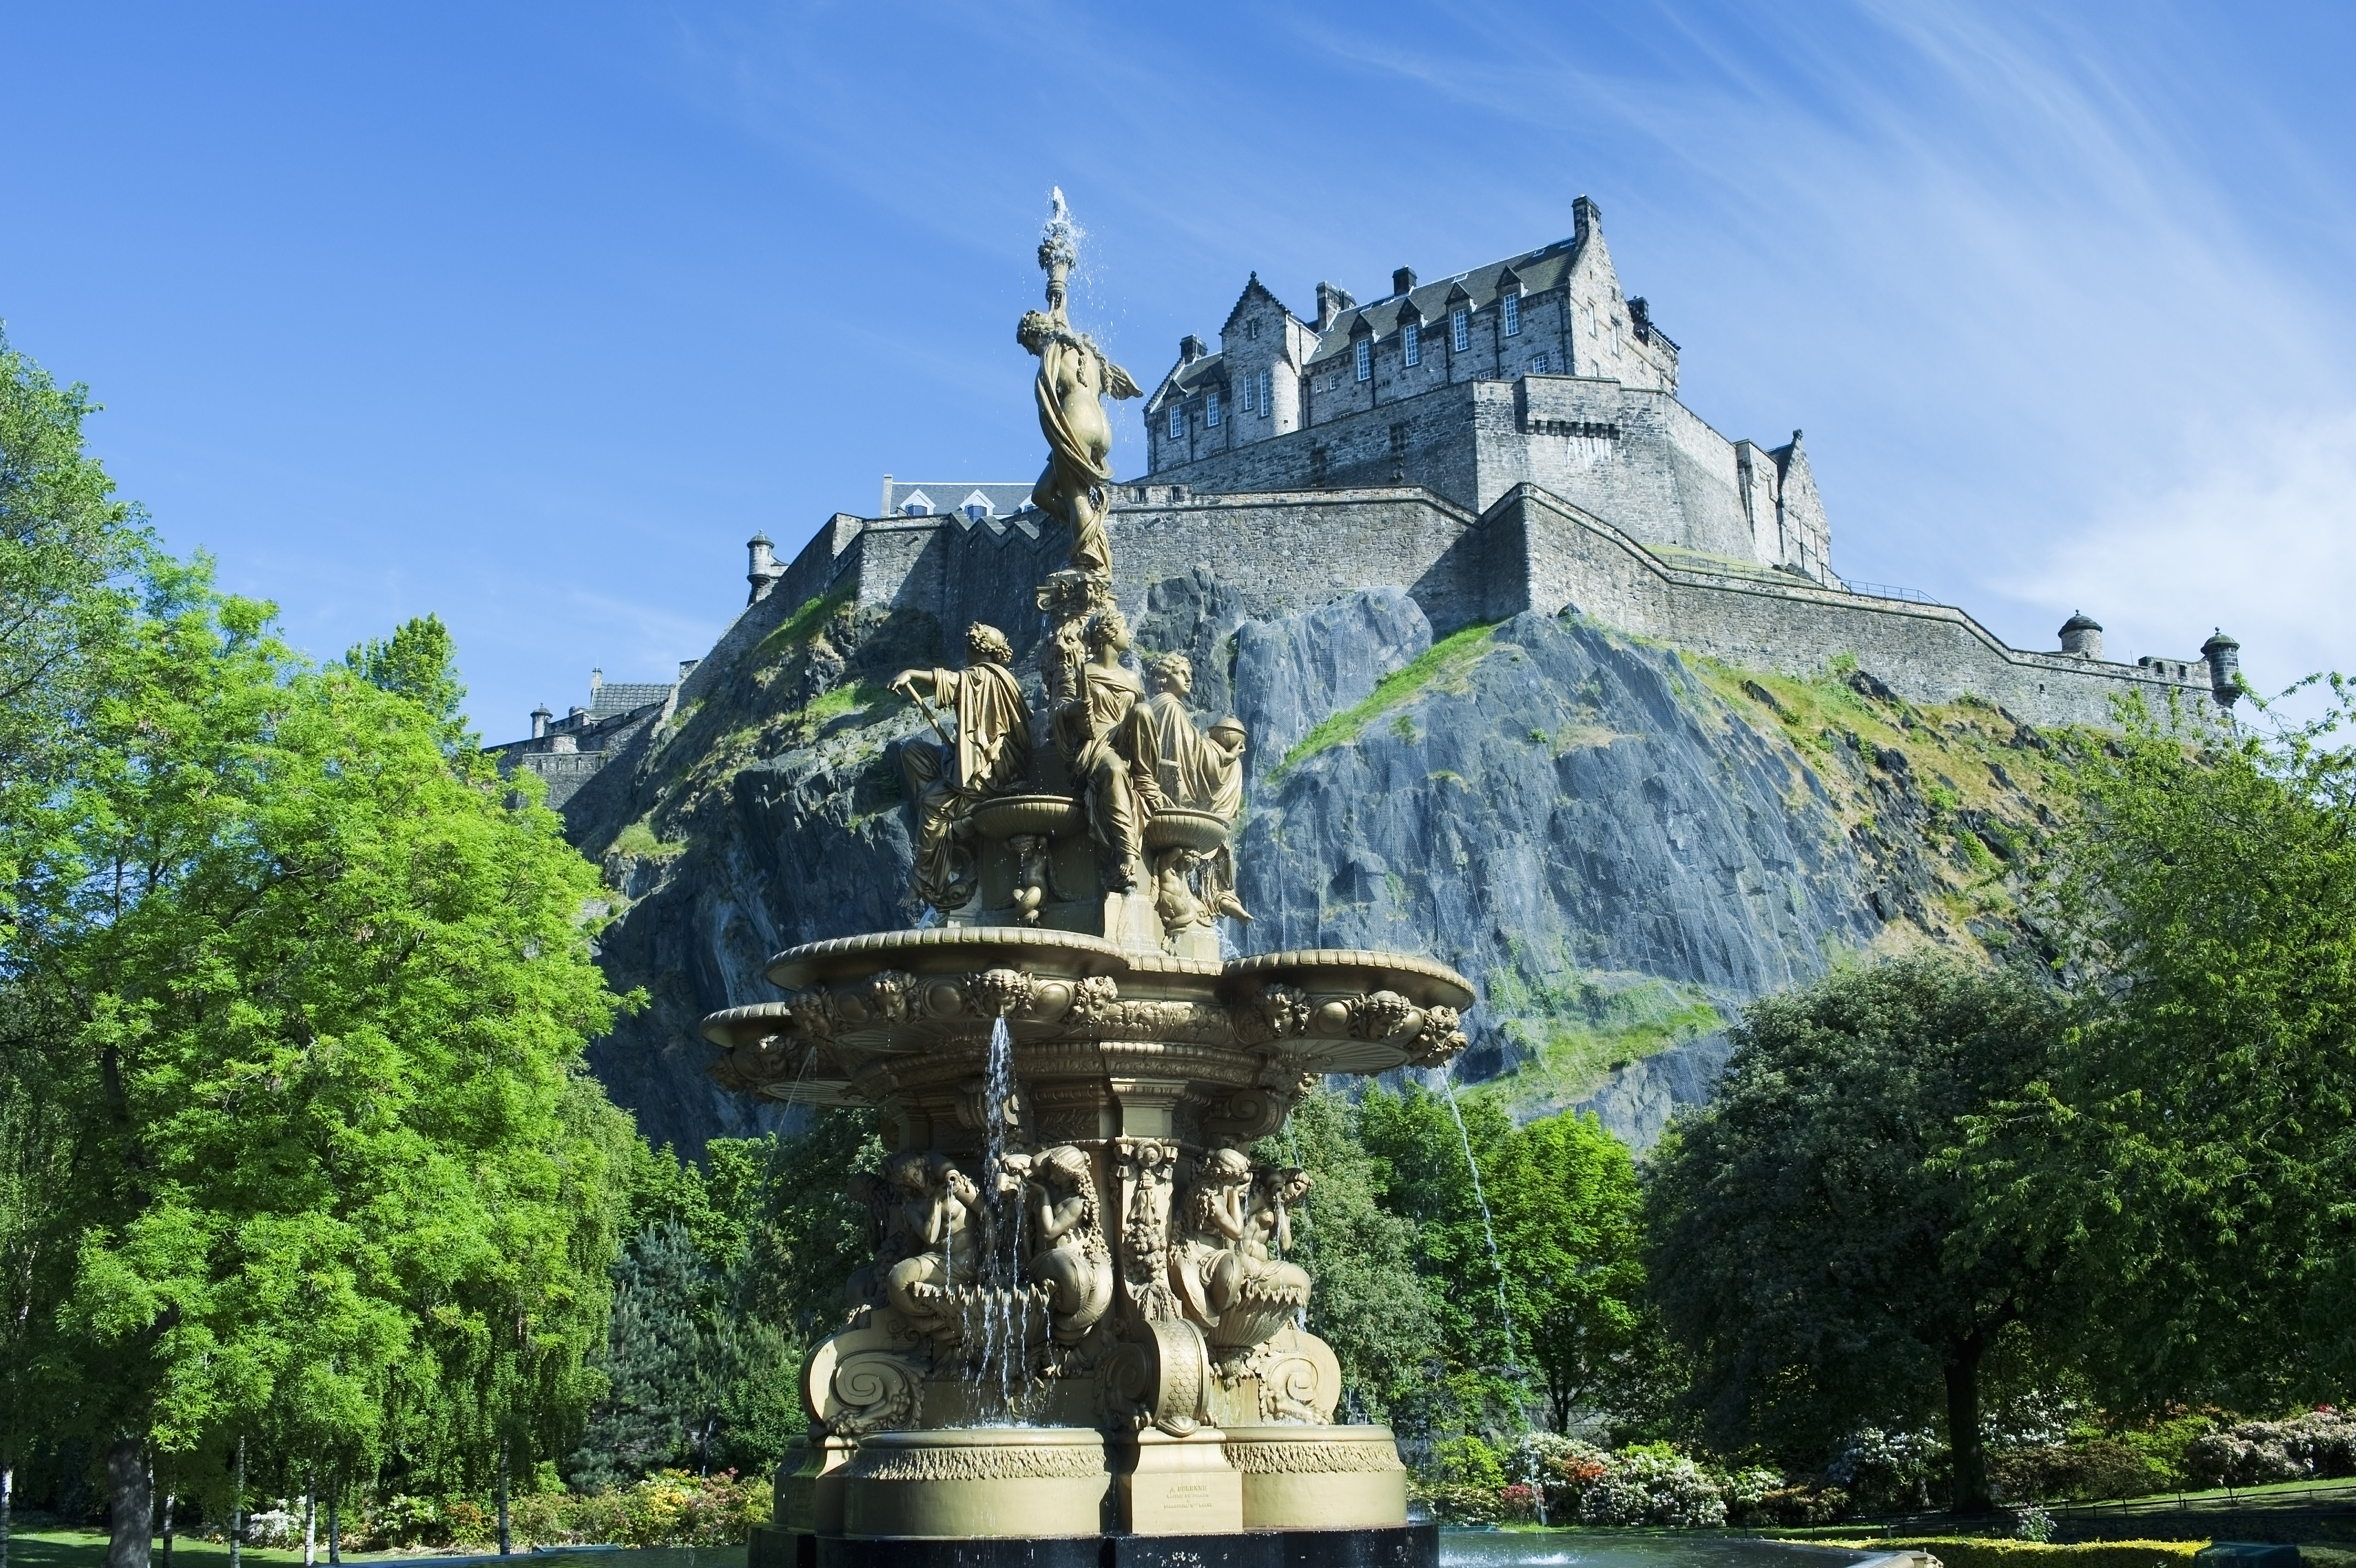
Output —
<point x="1073" y="1262"/>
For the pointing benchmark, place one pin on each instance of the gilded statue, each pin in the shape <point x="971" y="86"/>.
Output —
<point x="1200" y="772"/>
<point x="1073" y="379"/>
<point x="937" y="1233"/>
<point x="1073" y="1260"/>
<point x="1107" y="745"/>
<point x="985" y="755"/>
<point x="1226" y="1264"/>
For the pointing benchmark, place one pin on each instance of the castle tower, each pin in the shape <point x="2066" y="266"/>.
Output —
<point x="761" y="568"/>
<point x="2224" y="657"/>
<point x="2083" y="636"/>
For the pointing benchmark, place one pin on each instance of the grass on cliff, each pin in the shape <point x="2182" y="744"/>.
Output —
<point x="639" y="841"/>
<point x="802" y="625"/>
<point x="1580" y="1025"/>
<point x="1450" y="657"/>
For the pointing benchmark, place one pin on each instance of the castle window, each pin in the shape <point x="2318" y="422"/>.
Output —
<point x="1511" y="305"/>
<point x="1252" y="330"/>
<point x="1538" y="365"/>
<point x="1177" y="421"/>
<point x="1459" y="329"/>
<point x="1366" y="359"/>
<point x="1251" y="391"/>
<point x="1211" y="408"/>
<point x="1411" y="343"/>
<point x="1265" y="404"/>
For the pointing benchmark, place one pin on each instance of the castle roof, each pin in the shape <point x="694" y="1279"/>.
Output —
<point x="625" y="696"/>
<point x="1534" y="272"/>
<point x="938" y="497"/>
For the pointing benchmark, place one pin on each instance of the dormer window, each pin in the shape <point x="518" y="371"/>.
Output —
<point x="1211" y="408"/>
<point x="1177" y="419"/>
<point x="1411" y="343"/>
<point x="1459" y="329"/>
<point x="1511" y="304"/>
<point x="1365" y="347"/>
<point x="918" y="504"/>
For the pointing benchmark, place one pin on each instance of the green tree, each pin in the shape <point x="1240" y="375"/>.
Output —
<point x="1810" y="1245"/>
<point x="314" y="992"/>
<point x="1569" y="1219"/>
<point x="661" y="1362"/>
<point x="1425" y="1159"/>
<point x="2189" y="1161"/>
<point x="1370" y="1303"/>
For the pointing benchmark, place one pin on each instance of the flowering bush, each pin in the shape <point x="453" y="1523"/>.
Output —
<point x="278" y="1526"/>
<point x="1653" y="1483"/>
<point x="1888" y="1472"/>
<point x="2320" y="1444"/>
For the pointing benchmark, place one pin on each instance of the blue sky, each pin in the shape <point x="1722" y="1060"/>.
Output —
<point x="531" y="314"/>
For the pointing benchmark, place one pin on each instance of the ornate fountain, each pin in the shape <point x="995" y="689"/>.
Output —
<point x="1082" y="1334"/>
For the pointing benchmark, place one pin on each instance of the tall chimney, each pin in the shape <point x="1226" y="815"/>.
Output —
<point x="1403" y="280"/>
<point x="1330" y="303"/>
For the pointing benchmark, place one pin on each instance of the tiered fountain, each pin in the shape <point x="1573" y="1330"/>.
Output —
<point x="1080" y="1340"/>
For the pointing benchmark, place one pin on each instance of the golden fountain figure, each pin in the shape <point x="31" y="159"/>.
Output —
<point x="1080" y="1317"/>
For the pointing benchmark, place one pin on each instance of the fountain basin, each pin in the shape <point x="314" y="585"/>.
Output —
<point x="1037" y="816"/>
<point x="1298" y="1477"/>
<point x="977" y="1483"/>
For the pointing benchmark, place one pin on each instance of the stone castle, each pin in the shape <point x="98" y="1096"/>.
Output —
<point x="1509" y="438"/>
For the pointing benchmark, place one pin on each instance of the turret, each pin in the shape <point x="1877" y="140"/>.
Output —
<point x="539" y="717"/>
<point x="2224" y="657"/>
<point x="761" y="568"/>
<point x="2081" y="635"/>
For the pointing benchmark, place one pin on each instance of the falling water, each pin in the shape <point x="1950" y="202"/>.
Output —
<point x="1005" y="1317"/>
<point x="1497" y="1268"/>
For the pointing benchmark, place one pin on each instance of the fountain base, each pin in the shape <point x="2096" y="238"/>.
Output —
<point x="1396" y="1546"/>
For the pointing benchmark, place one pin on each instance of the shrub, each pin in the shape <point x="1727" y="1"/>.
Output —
<point x="2320" y="1444"/>
<point x="1888" y="1472"/>
<point x="1976" y="1552"/>
<point x="1803" y="1505"/>
<point x="2089" y="1469"/>
<point x="1653" y="1483"/>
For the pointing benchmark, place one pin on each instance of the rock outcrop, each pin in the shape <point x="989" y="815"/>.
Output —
<point x="1620" y="846"/>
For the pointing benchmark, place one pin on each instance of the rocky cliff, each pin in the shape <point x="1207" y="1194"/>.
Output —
<point x="1619" y="844"/>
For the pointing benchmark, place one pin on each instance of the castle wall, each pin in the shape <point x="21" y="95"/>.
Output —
<point x="1288" y="550"/>
<point x="1926" y="653"/>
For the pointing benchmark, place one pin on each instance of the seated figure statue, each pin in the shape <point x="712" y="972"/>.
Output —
<point x="1108" y="747"/>
<point x="1240" y="1291"/>
<point x="939" y="1230"/>
<point x="987" y="754"/>
<point x="1073" y="1262"/>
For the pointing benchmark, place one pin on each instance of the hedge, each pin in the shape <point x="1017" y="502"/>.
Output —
<point x="1970" y="1551"/>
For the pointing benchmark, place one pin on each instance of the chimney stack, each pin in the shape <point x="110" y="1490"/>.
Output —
<point x="1191" y="349"/>
<point x="1330" y="303"/>
<point x="1403" y="280"/>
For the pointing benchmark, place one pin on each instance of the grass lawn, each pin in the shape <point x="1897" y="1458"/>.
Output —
<point x="87" y="1549"/>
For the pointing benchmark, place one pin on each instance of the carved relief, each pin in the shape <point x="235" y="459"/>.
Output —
<point x="1147" y="1168"/>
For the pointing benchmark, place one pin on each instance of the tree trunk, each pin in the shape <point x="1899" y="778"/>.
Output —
<point x="335" y="1517"/>
<point x="130" y="1512"/>
<point x="507" y="1541"/>
<point x="237" y="1511"/>
<point x="311" y="1517"/>
<point x="168" y="1528"/>
<point x="8" y="1502"/>
<point x="1971" y="1493"/>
